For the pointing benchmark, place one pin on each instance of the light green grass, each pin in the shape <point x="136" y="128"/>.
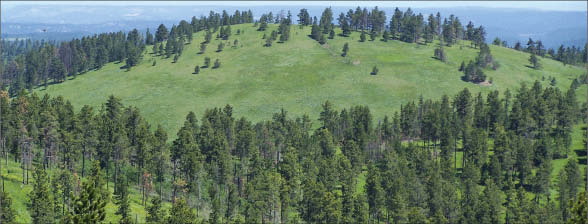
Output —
<point x="19" y="193"/>
<point x="298" y="75"/>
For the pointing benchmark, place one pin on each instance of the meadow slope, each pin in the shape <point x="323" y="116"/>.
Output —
<point x="298" y="75"/>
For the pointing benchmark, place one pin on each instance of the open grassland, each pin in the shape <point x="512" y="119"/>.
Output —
<point x="298" y="75"/>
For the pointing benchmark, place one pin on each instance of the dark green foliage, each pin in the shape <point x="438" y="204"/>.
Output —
<point x="196" y="69"/>
<point x="155" y="214"/>
<point x="440" y="55"/>
<point x="206" y="62"/>
<point x="362" y="37"/>
<point x="181" y="213"/>
<point x="202" y="48"/>
<point x="374" y="70"/>
<point x="161" y="34"/>
<point x="41" y="200"/>
<point x="217" y="64"/>
<point x="221" y="46"/>
<point x="7" y="213"/>
<point x="89" y="205"/>
<point x="345" y="49"/>
<point x="534" y="61"/>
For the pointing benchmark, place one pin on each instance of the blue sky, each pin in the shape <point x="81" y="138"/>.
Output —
<point x="541" y="5"/>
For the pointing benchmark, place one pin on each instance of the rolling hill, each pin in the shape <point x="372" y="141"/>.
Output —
<point x="298" y="75"/>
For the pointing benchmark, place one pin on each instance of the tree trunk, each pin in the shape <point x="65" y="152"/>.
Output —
<point x="84" y="161"/>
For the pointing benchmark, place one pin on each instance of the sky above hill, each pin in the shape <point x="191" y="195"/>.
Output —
<point x="541" y="5"/>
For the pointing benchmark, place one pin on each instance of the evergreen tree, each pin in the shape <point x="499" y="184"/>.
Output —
<point x="7" y="213"/>
<point x="374" y="70"/>
<point x="196" y="69"/>
<point x="181" y="213"/>
<point x="41" y="200"/>
<point x="155" y="214"/>
<point x="362" y="37"/>
<point x="534" y="61"/>
<point x="206" y="62"/>
<point x="217" y="64"/>
<point x="345" y="49"/>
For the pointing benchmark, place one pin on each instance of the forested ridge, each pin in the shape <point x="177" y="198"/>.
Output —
<point x="28" y="64"/>
<point x="465" y="159"/>
<point x="497" y="157"/>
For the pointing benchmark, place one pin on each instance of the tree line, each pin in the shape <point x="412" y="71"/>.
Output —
<point x="28" y="64"/>
<point x="430" y="161"/>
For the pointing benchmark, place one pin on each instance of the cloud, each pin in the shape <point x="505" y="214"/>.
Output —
<point x="132" y="14"/>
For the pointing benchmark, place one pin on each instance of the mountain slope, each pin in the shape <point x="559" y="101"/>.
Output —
<point x="298" y="75"/>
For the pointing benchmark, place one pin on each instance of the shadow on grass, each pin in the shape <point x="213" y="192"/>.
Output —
<point x="580" y="152"/>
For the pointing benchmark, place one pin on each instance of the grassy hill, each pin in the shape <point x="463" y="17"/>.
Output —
<point x="298" y="75"/>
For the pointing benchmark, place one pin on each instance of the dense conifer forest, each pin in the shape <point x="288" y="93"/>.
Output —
<point x="503" y="157"/>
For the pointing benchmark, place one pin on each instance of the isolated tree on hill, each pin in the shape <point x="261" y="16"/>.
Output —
<point x="206" y="62"/>
<point x="202" y="48"/>
<point x="374" y="70"/>
<point x="196" y="69"/>
<point x="362" y="37"/>
<point x="497" y="41"/>
<point x="268" y="42"/>
<point x="220" y="47"/>
<point x="440" y="54"/>
<point x="208" y="37"/>
<point x="345" y="49"/>
<point x="534" y="61"/>
<point x="217" y="64"/>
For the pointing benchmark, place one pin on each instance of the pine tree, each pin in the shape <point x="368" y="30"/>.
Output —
<point x="196" y="69"/>
<point x="374" y="192"/>
<point x="534" y="61"/>
<point x="374" y="70"/>
<point x="89" y="205"/>
<point x="345" y="49"/>
<point x="41" y="207"/>
<point x="7" y="213"/>
<point x="221" y="45"/>
<point x="122" y="200"/>
<point x="181" y="213"/>
<point x="217" y="64"/>
<point x="202" y="48"/>
<point x="362" y="37"/>
<point x="155" y="214"/>
<point x="206" y="62"/>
